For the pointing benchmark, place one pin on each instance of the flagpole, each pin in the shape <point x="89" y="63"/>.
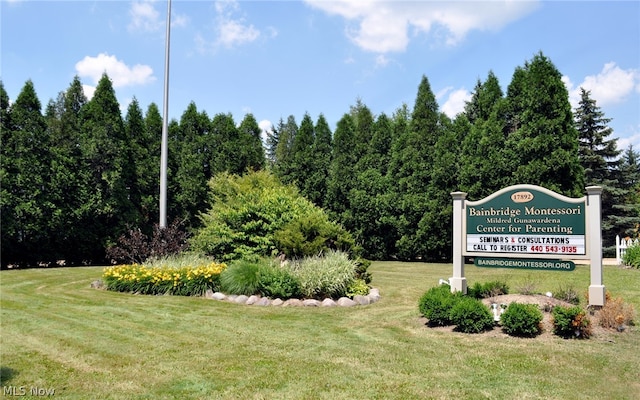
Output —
<point x="164" y="150"/>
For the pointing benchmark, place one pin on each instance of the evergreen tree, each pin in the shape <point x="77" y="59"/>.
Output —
<point x="599" y="158"/>
<point x="411" y="169"/>
<point x="627" y="211"/>
<point x="369" y="200"/>
<point x="25" y="207"/>
<point x="543" y="142"/>
<point x="107" y="171"/>
<point x="283" y="165"/>
<point x="342" y="177"/>
<point x="322" y="146"/>
<point x="197" y="141"/>
<point x="149" y="167"/>
<point x="250" y="150"/>
<point x="483" y="168"/>
<point x="302" y="157"/>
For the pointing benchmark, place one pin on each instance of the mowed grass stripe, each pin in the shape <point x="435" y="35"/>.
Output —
<point x="57" y="332"/>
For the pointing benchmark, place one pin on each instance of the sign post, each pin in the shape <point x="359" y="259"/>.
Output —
<point x="530" y="227"/>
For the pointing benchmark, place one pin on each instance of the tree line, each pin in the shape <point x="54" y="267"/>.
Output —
<point x="78" y="175"/>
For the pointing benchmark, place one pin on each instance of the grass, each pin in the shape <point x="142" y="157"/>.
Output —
<point x="59" y="333"/>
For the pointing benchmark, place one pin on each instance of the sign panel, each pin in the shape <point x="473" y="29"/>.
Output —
<point x="549" y="265"/>
<point x="531" y="221"/>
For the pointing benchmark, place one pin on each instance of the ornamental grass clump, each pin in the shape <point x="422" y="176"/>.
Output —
<point x="327" y="275"/>
<point x="184" y="281"/>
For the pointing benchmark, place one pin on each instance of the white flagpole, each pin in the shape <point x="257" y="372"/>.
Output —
<point x="164" y="151"/>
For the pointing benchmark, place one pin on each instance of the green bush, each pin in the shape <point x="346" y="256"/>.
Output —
<point x="631" y="256"/>
<point x="436" y="304"/>
<point x="488" y="289"/>
<point x="571" y="322"/>
<point x="247" y="211"/>
<point x="241" y="277"/>
<point x="357" y="287"/>
<point x="469" y="315"/>
<point x="521" y="319"/>
<point x="311" y="234"/>
<point x="277" y="282"/>
<point x="327" y="275"/>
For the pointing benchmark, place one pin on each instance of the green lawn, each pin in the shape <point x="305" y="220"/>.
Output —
<point x="84" y="343"/>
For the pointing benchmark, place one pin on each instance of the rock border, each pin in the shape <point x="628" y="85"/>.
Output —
<point x="256" y="300"/>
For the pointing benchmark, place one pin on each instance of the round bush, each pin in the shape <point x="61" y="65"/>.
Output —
<point x="471" y="316"/>
<point x="436" y="304"/>
<point x="571" y="322"/>
<point x="277" y="282"/>
<point x="521" y="319"/>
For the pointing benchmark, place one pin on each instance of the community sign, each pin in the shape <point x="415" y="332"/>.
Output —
<point x="527" y="221"/>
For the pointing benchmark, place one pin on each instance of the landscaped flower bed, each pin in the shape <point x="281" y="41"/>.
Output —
<point x="185" y="280"/>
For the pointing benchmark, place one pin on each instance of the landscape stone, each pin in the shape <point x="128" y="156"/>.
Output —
<point x="311" y="303"/>
<point x="242" y="299"/>
<point x="329" y="303"/>
<point x="252" y="300"/>
<point x="208" y="294"/>
<point x="293" y="302"/>
<point x="263" y="301"/>
<point x="277" y="302"/>
<point x="346" y="302"/>
<point x="219" y="296"/>
<point x="362" y="300"/>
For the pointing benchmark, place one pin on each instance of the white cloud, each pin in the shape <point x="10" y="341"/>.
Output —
<point x="612" y="85"/>
<point x="384" y="27"/>
<point x="230" y="29"/>
<point x="146" y="18"/>
<point x="634" y="140"/>
<point x="265" y="127"/>
<point x="121" y="74"/>
<point x="454" y="100"/>
<point x="88" y="91"/>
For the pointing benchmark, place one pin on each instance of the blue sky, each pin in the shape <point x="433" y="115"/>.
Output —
<point x="279" y="58"/>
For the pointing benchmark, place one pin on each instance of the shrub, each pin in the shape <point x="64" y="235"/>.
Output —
<point x="324" y="276"/>
<point x="568" y="294"/>
<point x="522" y="319"/>
<point x="362" y="266"/>
<point x="631" y="256"/>
<point x="277" y="282"/>
<point x="436" y="304"/>
<point x="163" y="279"/>
<point x="357" y="287"/>
<point x="241" y="277"/>
<point x="488" y="289"/>
<point x="135" y="247"/>
<point x="311" y="234"/>
<point x="247" y="211"/>
<point x="615" y="314"/>
<point x="469" y="315"/>
<point x="571" y="322"/>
